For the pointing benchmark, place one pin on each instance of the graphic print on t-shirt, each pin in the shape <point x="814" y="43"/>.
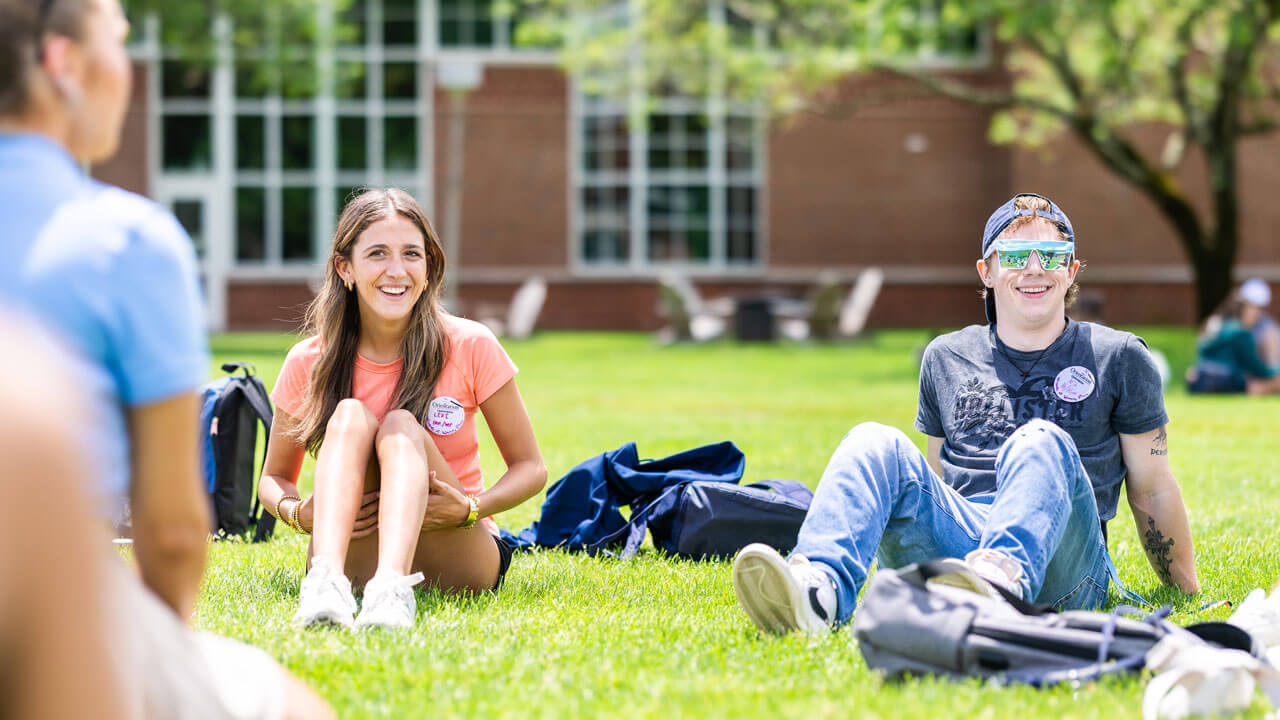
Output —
<point x="985" y="415"/>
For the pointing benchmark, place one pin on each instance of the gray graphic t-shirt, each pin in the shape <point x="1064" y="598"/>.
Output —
<point x="1093" y="381"/>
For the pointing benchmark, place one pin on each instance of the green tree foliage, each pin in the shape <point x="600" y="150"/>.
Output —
<point x="281" y="36"/>
<point x="1207" y="71"/>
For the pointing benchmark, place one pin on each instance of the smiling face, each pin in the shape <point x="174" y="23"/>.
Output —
<point x="387" y="267"/>
<point x="1030" y="298"/>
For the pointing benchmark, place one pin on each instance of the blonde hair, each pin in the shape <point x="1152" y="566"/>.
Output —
<point x="334" y="316"/>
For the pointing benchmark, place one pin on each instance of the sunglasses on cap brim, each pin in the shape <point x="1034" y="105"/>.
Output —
<point x="1015" y="254"/>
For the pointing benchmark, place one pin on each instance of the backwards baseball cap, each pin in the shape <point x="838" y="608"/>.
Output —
<point x="1005" y="215"/>
<point x="1255" y="292"/>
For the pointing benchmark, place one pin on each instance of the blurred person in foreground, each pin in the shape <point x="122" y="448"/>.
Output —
<point x="1033" y="422"/>
<point x="1228" y="354"/>
<point x="54" y="620"/>
<point x="113" y="276"/>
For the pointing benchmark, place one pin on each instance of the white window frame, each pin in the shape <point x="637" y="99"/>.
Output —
<point x="639" y="178"/>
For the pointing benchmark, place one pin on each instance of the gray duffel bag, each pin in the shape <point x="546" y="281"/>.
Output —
<point x="907" y="625"/>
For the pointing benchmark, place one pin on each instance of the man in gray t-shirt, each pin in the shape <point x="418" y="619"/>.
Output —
<point x="1033" y="424"/>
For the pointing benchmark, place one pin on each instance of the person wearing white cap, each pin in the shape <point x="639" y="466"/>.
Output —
<point x="1228" y="360"/>
<point x="1263" y="327"/>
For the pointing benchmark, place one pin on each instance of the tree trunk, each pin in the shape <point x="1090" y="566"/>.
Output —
<point x="1211" y="264"/>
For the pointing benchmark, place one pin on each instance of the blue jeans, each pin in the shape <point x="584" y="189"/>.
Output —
<point x="879" y="498"/>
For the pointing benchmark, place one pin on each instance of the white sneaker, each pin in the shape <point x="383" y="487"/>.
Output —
<point x="981" y="569"/>
<point x="1259" y="614"/>
<point x="783" y="595"/>
<point x="998" y="568"/>
<point x="325" y="597"/>
<point x="389" y="602"/>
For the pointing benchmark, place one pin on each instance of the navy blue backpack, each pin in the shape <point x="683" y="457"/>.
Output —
<point x="690" y="502"/>
<point x="231" y="410"/>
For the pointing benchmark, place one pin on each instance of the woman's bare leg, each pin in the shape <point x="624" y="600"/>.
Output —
<point x="340" y="470"/>
<point x="402" y="499"/>
<point x="456" y="560"/>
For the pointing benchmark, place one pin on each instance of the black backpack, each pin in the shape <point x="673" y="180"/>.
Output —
<point x="231" y="410"/>
<point x="714" y="520"/>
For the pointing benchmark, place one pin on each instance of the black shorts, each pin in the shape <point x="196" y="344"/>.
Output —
<point x="504" y="560"/>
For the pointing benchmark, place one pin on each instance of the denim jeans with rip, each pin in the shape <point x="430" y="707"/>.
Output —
<point x="878" y="498"/>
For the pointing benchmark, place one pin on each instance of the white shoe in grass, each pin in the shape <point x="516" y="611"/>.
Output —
<point x="325" y="597"/>
<point x="980" y="570"/>
<point x="1259" y="614"/>
<point x="783" y="595"/>
<point x="389" y="602"/>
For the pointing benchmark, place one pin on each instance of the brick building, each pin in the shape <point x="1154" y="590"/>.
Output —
<point x="561" y="185"/>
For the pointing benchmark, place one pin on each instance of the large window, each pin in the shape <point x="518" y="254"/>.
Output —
<point x="679" y="187"/>
<point x="309" y="126"/>
<point x="478" y="24"/>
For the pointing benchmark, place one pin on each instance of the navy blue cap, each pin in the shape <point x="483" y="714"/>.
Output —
<point x="1007" y="213"/>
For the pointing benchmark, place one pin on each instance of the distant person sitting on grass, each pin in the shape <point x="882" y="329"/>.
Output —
<point x="1265" y="329"/>
<point x="1033" y="423"/>
<point x="385" y="394"/>
<point x="1227" y="358"/>
<point x="113" y="275"/>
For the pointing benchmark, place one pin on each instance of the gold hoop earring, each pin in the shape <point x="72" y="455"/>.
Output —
<point x="349" y="285"/>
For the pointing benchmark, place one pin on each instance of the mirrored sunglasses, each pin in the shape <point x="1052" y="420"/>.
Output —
<point x="1015" y="254"/>
<point x="1018" y="259"/>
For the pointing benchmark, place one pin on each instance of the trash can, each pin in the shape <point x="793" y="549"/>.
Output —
<point x="753" y="319"/>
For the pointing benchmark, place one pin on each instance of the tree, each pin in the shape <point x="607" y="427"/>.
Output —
<point x="1207" y="70"/>
<point x="280" y="34"/>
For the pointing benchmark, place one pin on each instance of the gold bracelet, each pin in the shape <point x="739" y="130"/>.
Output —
<point x="294" y="520"/>
<point x="281" y="500"/>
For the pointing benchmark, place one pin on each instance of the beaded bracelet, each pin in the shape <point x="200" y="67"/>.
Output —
<point x="294" y="521"/>
<point x="281" y="502"/>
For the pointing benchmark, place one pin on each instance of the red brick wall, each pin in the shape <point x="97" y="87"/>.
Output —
<point x="516" y="174"/>
<point x="849" y="192"/>
<point x="266" y="305"/>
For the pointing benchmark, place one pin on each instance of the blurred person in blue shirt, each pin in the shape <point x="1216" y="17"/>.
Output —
<point x="111" y="273"/>
<point x="113" y="276"/>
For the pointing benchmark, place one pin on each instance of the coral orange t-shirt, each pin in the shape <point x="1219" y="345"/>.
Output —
<point x="475" y="368"/>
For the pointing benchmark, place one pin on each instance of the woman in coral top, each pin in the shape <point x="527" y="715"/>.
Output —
<point x="384" y="394"/>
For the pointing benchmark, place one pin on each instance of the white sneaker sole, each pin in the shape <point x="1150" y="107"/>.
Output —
<point x="362" y="624"/>
<point x="331" y="619"/>
<point x="765" y="590"/>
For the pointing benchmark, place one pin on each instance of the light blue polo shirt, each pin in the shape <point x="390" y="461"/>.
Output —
<point x="115" y="276"/>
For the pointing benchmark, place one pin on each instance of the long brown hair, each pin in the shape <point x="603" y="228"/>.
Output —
<point x="334" y="316"/>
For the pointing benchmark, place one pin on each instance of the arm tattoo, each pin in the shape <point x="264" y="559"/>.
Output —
<point x="1158" y="549"/>
<point x="1160" y="445"/>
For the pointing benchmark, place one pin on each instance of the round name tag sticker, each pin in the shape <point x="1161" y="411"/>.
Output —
<point x="445" y="416"/>
<point x="1074" y="384"/>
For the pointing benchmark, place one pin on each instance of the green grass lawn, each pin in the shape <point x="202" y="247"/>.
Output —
<point x="576" y="637"/>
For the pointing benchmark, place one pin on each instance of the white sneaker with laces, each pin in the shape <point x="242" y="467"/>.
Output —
<point x="325" y="597"/>
<point x="783" y="595"/>
<point x="389" y="602"/>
